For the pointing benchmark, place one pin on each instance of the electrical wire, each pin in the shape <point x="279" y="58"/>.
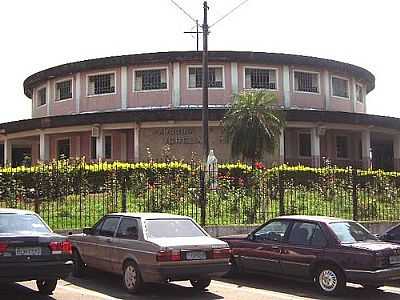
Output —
<point x="184" y="11"/>
<point x="229" y="12"/>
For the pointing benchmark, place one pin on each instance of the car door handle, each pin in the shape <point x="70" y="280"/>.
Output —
<point x="276" y="248"/>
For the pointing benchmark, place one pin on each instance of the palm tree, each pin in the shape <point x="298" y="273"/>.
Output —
<point x="253" y="124"/>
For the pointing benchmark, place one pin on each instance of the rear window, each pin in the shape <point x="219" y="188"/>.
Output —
<point x="171" y="228"/>
<point x="18" y="223"/>
<point x="351" y="232"/>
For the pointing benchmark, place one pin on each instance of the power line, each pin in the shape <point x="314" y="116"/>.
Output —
<point x="229" y="12"/>
<point x="184" y="11"/>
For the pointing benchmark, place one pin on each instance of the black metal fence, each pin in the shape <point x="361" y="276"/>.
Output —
<point x="75" y="194"/>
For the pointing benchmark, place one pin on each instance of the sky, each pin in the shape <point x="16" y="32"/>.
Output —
<point x="39" y="34"/>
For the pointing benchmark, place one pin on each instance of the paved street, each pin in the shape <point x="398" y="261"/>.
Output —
<point x="100" y="286"/>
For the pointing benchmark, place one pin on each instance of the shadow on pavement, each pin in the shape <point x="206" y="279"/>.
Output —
<point x="19" y="292"/>
<point x="305" y="289"/>
<point x="111" y="285"/>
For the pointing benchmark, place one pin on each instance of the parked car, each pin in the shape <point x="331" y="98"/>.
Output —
<point x="326" y="250"/>
<point x="391" y="235"/>
<point x="150" y="247"/>
<point x="29" y="250"/>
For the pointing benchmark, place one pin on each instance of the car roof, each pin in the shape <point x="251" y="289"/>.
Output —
<point x="146" y="216"/>
<point x="321" y="219"/>
<point x="15" y="211"/>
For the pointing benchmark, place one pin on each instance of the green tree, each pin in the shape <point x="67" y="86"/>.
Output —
<point x="253" y="124"/>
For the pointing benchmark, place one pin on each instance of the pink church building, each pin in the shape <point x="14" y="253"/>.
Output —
<point x="116" y="108"/>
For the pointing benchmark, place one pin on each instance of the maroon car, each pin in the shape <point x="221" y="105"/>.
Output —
<point x="325" y="250"/>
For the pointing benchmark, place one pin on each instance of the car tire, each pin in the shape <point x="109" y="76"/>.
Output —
<point x="47" y="286"/>
<point x="330" y="280"/>
<point x="132" y="280"/>
<point x="79" y="266"/>
<point x="200" y="284"/>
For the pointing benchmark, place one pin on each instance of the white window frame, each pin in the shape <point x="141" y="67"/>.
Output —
<point x="306" y="71"/>
<point x="362" y="93"/>
<point x="101" y="73"/>
<point x="145" y="69"/>
<point x="38" y="105"/>
<point x="348" y="87"/>
<point x="298" y="144"/>
<point x="210" y="66"/>
<point x="56" y="140"/>
<point x="261" y="68"/>
<point x="72" y="89"/>
<point x="348" y="147"/>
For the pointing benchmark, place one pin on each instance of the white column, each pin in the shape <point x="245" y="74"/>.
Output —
<point x="100" y="146"/>
<point x="7" y="152"/>
<point x="44" y="147"/>
<point x="327" y="89"/>
<point x="124" y="87"/>
<point x="315" y="148"/>
<point x="396" y="152"/>
<point x="366" y="149"/>
<point x="235" y="78"/>
<point x="286" y="86"/>
<point x="78" y="92"/>
<point x="282" y="147"/>
<point x="48" y="97"/>
<point x="176" y="89"/>
<point x="353" y="89"/>
<point x="124" y="156"/>
<point x="136" y="145"/>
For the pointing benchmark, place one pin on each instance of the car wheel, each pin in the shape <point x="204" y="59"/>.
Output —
<point x="330" y="280"/>
<point x="200" y="284"/>
<point x="132" y="279"/>
<point x="46" y="287"/>
<point x="79" y="265"/>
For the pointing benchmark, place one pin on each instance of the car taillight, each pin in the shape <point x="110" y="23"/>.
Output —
<point x="61" y="247"/>
<point x="3" y="247"/>
<point x="170" y="255"/>
<point x="219" y="253"/>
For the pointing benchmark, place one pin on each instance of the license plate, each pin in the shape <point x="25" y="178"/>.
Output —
<point x="196" y="255"/>
<point x="394" y="260"/>
<point x="28" y="251"/>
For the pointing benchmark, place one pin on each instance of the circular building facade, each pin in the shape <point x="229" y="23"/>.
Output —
<point x="123" y="107"/>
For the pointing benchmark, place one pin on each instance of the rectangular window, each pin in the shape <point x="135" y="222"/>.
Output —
<point x="63" y="90"/>
<point x="41" y="96"/>
<point x="342" y="143"/>
<point x="306" y="82"/>
<point x="93" y="148"/>
<point x="359" y="93"/>
<point x="151" y="80"/>
<point x="260" y="79"/>
<point x="340" y="87"/>
<point x="215" y="77"/>
<point x="101" y="84"/>
<point x="305" y="144"/>
<point x="63" y="149"/>
<point x="108" y="147"/>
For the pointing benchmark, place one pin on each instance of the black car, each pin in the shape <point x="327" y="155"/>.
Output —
<point x="29" y="250"/>
<point x="391" y="235"/>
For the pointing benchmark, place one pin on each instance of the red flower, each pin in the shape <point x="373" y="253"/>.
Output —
<point x="259" y="165"/>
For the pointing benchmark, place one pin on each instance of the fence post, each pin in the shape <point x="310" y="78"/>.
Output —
<point x="354" y="194"/>
<point x="124" y="191"/>
<point x="281" y="190"/>
<point x="202" y="198"/>
<point x="36" y="202"/>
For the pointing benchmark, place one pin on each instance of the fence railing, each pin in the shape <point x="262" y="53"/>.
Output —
<point x="76" y="194"/>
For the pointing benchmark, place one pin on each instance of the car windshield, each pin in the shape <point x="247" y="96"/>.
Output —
<point x="171" y="228"/>
<point x="21" y="223"/>
<point x="351" y="232"/>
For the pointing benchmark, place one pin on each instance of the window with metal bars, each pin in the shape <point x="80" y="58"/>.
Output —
<point x="41" y="96"/>
<point x="342" y="146"/>
<point x="63" y="149"/>
<point x="150" y="80"/>
<point x="101" y="84"/>
<point x="305" y="144"/>
<point x="359" y="93"/>
<point x="93" y="148"/>
<point x="260" y="79"/>
<point x="63" y="90"/>
<point x="306" y="82"/>
<point x="340" y="87"/>
<point x="108" y="147"/>
<point x="215" y="77"/>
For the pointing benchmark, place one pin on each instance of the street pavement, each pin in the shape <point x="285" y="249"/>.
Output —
<point x="102" y="286"/>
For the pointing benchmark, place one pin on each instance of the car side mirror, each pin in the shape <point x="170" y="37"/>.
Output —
<point x="250" y="237"/>
<point x="88" y="231"/>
